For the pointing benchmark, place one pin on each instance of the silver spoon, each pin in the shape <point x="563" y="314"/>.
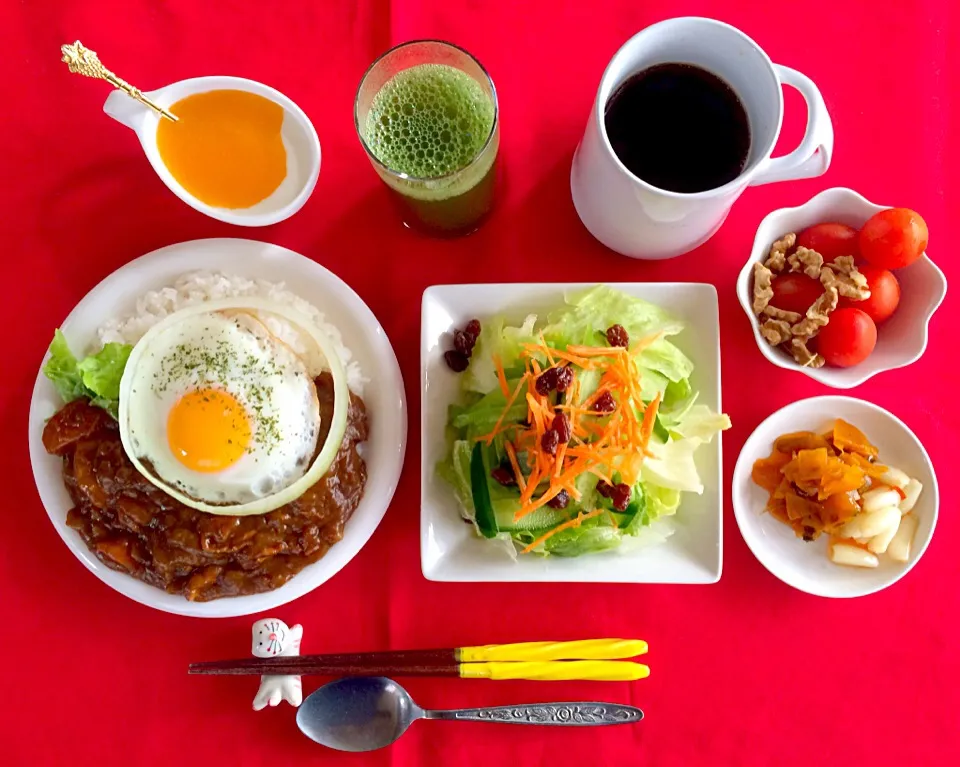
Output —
<point x="367" y="713"/>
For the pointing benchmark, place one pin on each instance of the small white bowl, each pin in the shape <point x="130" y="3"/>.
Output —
<point x="297" y="133"/>
<point x="900" y="340"/>
<point x="805" y="566"/>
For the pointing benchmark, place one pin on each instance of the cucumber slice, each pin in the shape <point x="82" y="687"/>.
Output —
<point x="541" y="519"/>
<point x="481" y="494"/>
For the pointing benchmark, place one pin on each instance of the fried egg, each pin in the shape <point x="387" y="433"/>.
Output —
<point x="219" y="410"/>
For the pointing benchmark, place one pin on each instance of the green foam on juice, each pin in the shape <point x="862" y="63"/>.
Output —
<point x="429" y="120"/>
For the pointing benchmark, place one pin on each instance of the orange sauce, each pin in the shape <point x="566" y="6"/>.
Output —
<point x="225" y="149"/>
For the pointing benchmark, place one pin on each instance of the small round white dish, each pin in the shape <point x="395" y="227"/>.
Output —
<point x="362" y="334"/>
<point x="901" y="340"/>
<point x="297" y="133"/>
<point x="805" y="566"/>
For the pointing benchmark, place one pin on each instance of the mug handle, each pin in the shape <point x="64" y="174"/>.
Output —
<point x="812" y="157"/>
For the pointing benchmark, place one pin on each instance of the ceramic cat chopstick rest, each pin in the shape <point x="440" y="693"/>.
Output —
<point x="272" y="638"/>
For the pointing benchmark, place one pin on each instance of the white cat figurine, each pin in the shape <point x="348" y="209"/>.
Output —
<point x="272" y="638"/>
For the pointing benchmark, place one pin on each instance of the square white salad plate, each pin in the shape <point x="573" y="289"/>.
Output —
<point x="449" y="548"/>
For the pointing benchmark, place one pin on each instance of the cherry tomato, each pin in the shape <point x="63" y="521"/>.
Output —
<point x="830" y="240"/>
<point x="884" y="294"/>
<point x="893" y="238"/>
<point x="795" y="292"/>
<point x="848" y="338"/>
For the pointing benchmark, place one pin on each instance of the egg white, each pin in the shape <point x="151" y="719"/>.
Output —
<point x="230" y="350"/>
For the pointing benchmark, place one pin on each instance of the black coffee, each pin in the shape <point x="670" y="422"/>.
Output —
<point x="679" y="128"/>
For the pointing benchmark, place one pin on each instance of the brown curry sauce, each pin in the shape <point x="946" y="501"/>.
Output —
<point x="134" y="527"/>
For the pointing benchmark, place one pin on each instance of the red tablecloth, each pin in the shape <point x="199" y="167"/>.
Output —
<point x="747" y="671"/>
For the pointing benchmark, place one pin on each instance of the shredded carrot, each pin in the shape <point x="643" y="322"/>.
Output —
<point x="532" y="482"/>
<point x="501" y="376"/>
<point x="649" y="417"/>
<point x="597" y="351"/>
<point x="546" y="351"/>
<point x="644" y="342"/>
<point x="488" y="438"/>
<point x="561" y="451"/>
<point x="575" y="522"/>
<point x="531" y="506"/>
<point x="515" y="465"/>
<point x="536" y="413"/>
<point x="566" y="356"/>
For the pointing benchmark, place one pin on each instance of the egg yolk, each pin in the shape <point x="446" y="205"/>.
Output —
<point x="208" y="430"/>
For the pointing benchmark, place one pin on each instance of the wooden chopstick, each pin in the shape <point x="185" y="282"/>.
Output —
<point x="598" y="658"/>
<point x="597" y="670"/>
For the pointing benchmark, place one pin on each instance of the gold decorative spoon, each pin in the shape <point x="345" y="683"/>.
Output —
<point x="83" y="61"/>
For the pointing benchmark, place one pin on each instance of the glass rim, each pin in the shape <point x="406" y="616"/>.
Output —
<point x="406" y="176"/>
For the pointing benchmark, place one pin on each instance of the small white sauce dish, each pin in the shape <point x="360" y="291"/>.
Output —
<point x="806" y="566"/>
<point x="297" y="133"/>
<point x="901" y="339"/>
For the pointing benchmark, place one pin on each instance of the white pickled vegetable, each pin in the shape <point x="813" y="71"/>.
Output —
<point x="879" y="543"/>
<point x="868" y="525"/>
<point x="911" y="493"/>
<point x="899" y="548"/>
<point x="880" y="498"/>
<point x="894" y="477"/>
<point x="853" y="556"/>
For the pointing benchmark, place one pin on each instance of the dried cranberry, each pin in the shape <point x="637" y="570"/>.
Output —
<point x="617" y="336"/>
<point x="503" y="476"/>
<point x="463" y="343"/>
<point x="562" y="427"/>
<point x="560" y="500"/>
<point x="564" y="378"/>
<point x="550" y="441"/>
<point x="605" y="403"/>
<point x="473" y="329"/>
<point x="620" y="497"/>
<point x="456" y="361"/>
<point x="605" y="489"/>
<point x="547" y="381"/>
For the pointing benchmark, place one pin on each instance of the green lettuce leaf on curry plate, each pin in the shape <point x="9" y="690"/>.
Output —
<point x="96" y="377"/>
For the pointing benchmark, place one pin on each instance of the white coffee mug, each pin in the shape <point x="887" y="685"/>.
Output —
<point x="639" y="220"/>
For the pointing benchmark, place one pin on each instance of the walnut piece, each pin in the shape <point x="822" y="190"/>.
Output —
<point x="781" y="314"/>
<point x="845" y="265"/>
<point x="803" y="355"/>
<point x="762" y="292"/>
<point x="807" y="261"/>
<point x="775" y="331"/>
<point x="818" y="314"/>
<point x="778" y="252"/>
<point x="843" y="276"/>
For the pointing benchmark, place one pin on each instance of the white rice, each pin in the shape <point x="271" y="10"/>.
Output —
<point x="199" y="286"/>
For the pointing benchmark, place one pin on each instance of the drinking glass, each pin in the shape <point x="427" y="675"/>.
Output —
<point x="456" y="202"/>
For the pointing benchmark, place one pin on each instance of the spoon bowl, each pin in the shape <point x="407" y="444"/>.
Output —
<point x="357" y="713"/>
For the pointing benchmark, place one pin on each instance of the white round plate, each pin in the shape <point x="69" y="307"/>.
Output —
<point x="362" y="334"/>
<point x="805" y="566"/>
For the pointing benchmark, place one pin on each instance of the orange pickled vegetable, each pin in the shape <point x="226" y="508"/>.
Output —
<point x="767" y="471"/>
<point x="849" y="438"/>
<point x="814" y="479"/>
<point x="800" y="440"/>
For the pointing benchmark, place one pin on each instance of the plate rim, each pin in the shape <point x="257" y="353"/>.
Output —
<point x="709" y="574"/>
<point x="226" y="607"/>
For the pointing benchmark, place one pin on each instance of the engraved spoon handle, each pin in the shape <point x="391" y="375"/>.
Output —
<point x="579" y="714"/>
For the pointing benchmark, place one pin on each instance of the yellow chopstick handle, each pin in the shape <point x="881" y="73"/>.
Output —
<point x="594" y="670"/>
<point x="587" y="649"/>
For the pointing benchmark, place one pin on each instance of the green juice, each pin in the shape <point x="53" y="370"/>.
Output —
<point x="434" y="126"/>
